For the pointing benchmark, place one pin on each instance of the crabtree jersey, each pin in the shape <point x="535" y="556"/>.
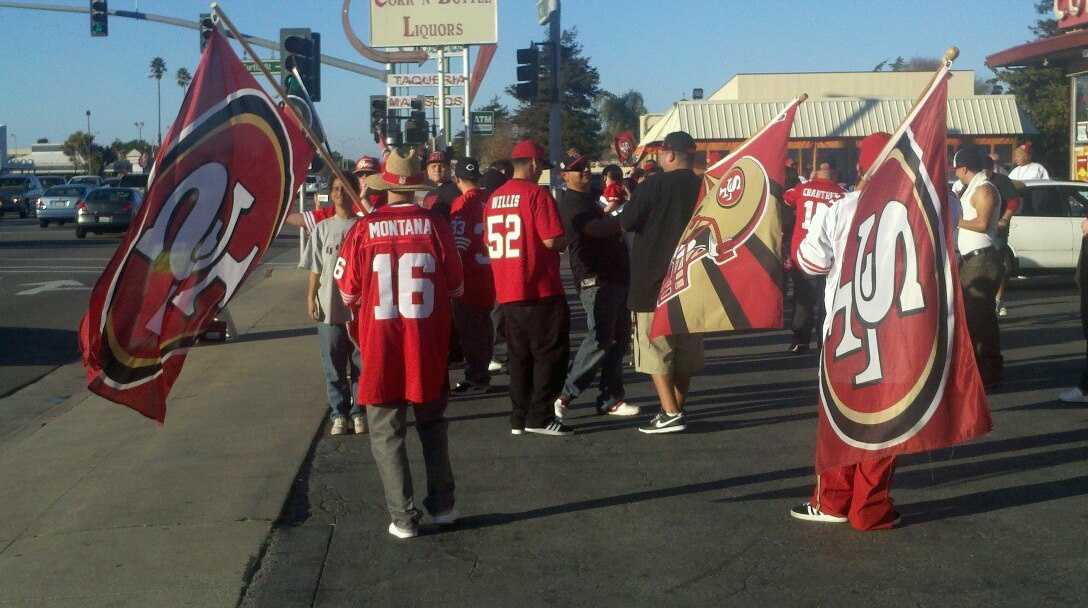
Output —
<point x="398" y="269"/>
<point x="809" y="201"/>
<point x="518" y="218"/>
<point x="467" y="222"/>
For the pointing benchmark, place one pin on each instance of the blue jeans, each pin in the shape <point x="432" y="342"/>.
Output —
<point x="340" y="360"/>
<point x="608" y="328"/>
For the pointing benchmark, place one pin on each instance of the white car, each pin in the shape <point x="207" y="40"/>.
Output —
<point x="1045" y="234"/>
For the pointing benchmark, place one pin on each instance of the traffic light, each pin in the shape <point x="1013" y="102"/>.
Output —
<point x="302" y="50"/>
<point x="378" y="108"/>
<point x="528" y="85"/>
<point x="207" y="26"/>
<point x="416" y="127"/>
<point x="100" y="18"/>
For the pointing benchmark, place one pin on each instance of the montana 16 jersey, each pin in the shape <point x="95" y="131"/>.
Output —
<point x="398" y="269"/>
<point x="519" y="216"/>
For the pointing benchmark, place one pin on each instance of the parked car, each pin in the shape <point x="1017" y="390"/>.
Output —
<point x="19" y="193"/>
<point x="58" y="204"/>
<point x="93" y="180"/>
<point x="134" y="180"/>
<point x="48" y="181"/>
<point x="110" y="182"/>
<point x="1045" y="234"/>
<point x="107" y="210"/>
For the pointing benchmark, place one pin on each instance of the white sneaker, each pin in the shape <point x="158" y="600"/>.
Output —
<point x="402" y="533"/>
<point x="359" y="422"/>
<point x="807" y="512"/>
<point x="516" y="431"/>
<point x="339" y="426"/>
<point x="561" y="408"/>
<point x="495" y="367"/>
<point x="619" y="407"/>
<point x="446" y="519"/>
<point x="1002" y="312"/>
<point x="554" y="428"/>
<point x="1073" y="395"/>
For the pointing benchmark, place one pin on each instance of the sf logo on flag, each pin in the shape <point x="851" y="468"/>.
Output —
<point x="731" y="188"/>
<point x="887" y="349"/>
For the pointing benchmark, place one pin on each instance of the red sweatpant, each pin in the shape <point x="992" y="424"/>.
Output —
<point x="858" y="492"/>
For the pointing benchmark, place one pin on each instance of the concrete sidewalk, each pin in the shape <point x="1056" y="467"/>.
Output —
<point x="102" y="507"/>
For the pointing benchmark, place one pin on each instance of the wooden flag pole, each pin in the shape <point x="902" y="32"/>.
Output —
<point x="310" y="135"/>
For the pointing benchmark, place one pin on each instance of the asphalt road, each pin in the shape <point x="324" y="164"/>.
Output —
<point x="611" y="517"/>
<point x="45" y="281"/>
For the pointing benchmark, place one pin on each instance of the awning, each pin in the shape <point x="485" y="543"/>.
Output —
<point x="1053" y="50"/>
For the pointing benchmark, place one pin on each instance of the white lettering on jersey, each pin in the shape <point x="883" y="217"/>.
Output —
<point x="509" y="201"/>
<point x="400" y="227"/>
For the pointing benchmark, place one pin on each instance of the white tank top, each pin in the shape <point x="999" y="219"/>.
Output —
<point x="969" y="240"/>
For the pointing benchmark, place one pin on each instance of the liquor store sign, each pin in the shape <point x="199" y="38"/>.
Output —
<point x="413" y="23"/>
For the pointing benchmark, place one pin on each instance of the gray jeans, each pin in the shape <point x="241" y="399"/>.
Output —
<point x="607" y="332"/>
<point x="340" y="360"/>
<point x="388" y="426"/>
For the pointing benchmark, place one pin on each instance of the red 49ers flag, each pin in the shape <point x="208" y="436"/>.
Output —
<point x="726" y="273"/>
<point x="217" y="196"/>
<point x="897" y="371"/>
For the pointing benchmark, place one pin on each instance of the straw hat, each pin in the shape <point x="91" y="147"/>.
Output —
<point x="401" y="173"/>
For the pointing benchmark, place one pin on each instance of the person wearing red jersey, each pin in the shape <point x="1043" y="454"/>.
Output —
<point x="810" y="201"/>
<point x="445" y="190"/>
<point x="524" y="238"/>
<point x="397" y="270"/>
<point x="364" y="168"/>
<point x="472" y="312"/>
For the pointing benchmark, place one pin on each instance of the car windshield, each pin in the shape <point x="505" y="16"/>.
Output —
<point x="65" y="191"/>
<point x="112" y="195"/>
<point x="134" y="181"/>
<point x="13" y="182"/>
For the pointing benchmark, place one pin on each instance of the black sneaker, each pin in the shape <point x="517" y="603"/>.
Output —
<point x="664" y="422"/>
<point x="798" y="349"/>
<point x="469" y="388"/>
<point x="554" y="428"/>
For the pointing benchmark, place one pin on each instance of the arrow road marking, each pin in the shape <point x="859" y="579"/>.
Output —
<point x="45" y="286"/>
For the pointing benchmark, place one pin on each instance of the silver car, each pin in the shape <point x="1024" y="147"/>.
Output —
<point x="107" y="210"/>
<point x="58" y="204"/>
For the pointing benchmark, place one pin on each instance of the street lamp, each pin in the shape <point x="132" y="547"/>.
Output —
<point x="88" y="122"/>
<point x="139" y="130"/>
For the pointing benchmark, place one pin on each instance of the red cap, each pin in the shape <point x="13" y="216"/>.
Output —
<point x="870" y="148"/>
<point x="528" y="148"/>
<point x="367" y="164"/>
<point x="436" y="157"/>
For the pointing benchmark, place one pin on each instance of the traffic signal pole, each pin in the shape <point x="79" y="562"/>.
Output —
<point x="555" y="118"/>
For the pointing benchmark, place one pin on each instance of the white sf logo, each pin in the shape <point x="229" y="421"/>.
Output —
<point x="871" y="291"/>
<point x="729" y="187"/>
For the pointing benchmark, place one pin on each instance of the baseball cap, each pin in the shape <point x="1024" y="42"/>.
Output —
<point x="436" y="157"/>
<point x="366" y="164"/>
<point x="528" y="148"/>
<point x="969" y="157"/>
<point x="574" y="162"/>
<point x="678" y="141"/>
<point x="870" y="148"/>
<point x="468" y="168"/>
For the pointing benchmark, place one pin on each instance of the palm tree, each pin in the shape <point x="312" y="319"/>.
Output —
<point x="158" y="70"/>
<point x="184" y="78"/>
<point x="620" y="113"/>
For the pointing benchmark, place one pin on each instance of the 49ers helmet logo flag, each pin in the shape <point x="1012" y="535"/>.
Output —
<point x="897" y="371"/>
<point x="217" y="197"/>
<point x="726" y="273"/>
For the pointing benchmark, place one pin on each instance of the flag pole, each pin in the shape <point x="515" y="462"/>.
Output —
<point x="310" y="135"/>
<point x="946" y="63"/>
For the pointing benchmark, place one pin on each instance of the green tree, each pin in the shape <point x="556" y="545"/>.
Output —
<point x="489" y="148"/>
<point x="43" y="140"/>
<point x="581" y="88"/>
<point x="183" y="78"/>
<point x="1043" y="94"/>
<point x="157" y="71"/>
<point x="86" y="155"/>
<point x="619" y="113"/>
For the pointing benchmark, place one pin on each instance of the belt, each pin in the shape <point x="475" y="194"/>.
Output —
<point x="968" y="256"/>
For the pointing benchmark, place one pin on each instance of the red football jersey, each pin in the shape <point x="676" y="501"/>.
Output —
<point x="518" y="217"/>
<point x="398" y="269"/>
<point x="809" y="200"/>
<point x="467" y="222"/>
<point x="613" y="195"/>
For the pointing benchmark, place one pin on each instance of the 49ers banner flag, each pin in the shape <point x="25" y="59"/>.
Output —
<point x="897" y="371"/>
<point x="217" y="196"/>
<point x="726" y="273"/>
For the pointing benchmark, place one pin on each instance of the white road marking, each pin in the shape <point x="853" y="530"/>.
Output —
<point x="62" y="285"/>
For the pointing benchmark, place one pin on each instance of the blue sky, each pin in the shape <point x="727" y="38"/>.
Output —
<point x="662" y="48"/>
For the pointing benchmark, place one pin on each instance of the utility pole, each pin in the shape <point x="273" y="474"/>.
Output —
<point x="88" y="122"/>
<point x="555" y="119"/>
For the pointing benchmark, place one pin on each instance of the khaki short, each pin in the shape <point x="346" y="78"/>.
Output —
<point x="681" y="354"/>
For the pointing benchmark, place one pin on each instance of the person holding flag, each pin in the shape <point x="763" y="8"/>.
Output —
<point x="897" y="371"/>
<point x="364" y="168"/>
<point x="397" y="271"/>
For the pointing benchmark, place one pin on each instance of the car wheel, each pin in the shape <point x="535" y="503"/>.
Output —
<point x="81" y="233"/>
<point x="43" y="223"/>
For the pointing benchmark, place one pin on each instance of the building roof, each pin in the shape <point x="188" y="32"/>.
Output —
<point x="821" y="85"/>
<point x="843" y="117"/>
<point x="1056" y="50"/>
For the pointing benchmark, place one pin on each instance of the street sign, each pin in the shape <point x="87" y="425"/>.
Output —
<point x="273" y="66"/>
<point x="424" y="80"/>
<point x="483" y="122"/>
<point x="399" y="102"/>
<point x="544" y="10"/>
